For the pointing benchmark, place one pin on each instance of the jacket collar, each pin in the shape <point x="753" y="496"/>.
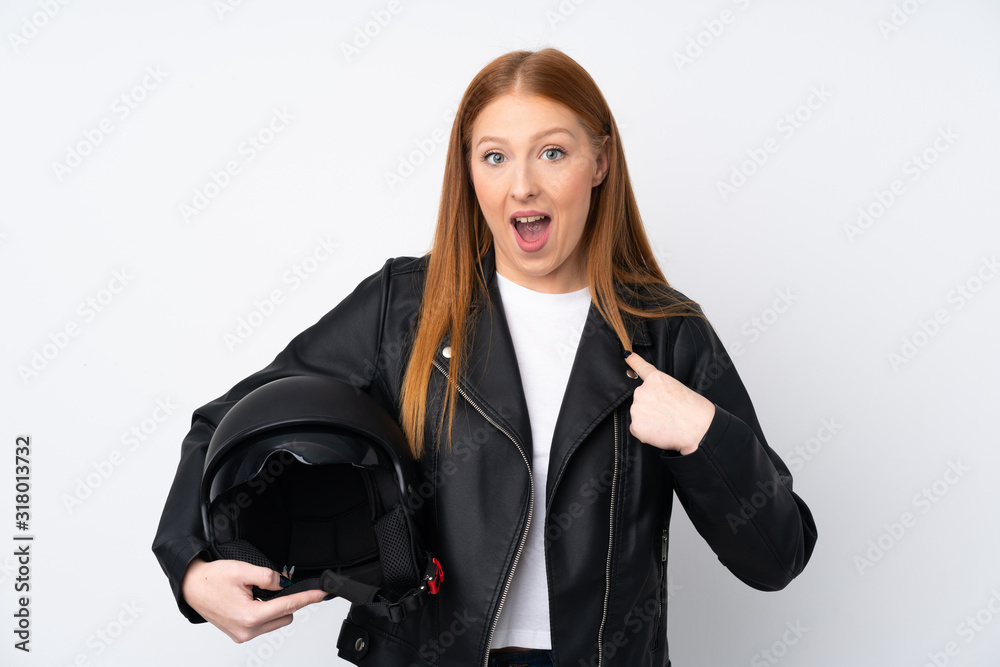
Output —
<point x="598" y="381"/>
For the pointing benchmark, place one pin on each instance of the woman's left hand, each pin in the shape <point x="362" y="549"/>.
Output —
<point x="665" y="413"/>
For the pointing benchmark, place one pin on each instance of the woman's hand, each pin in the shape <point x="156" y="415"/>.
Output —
<point x="221" y="591"/>
<point x="665" y="413"/>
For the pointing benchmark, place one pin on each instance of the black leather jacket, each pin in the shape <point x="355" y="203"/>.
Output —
<point x="608" y="496"/>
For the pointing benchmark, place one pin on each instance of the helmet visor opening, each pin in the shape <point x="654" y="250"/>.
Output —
<point x="313" y="517"/>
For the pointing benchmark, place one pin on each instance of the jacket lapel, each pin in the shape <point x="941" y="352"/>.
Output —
<point x="492" y="375"/>
<point x="598" y="383"/>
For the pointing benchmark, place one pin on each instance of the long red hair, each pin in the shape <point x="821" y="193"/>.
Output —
<point x="621" y="269"/>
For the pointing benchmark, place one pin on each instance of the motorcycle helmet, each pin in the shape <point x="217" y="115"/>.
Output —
<point x="311" y="477"/>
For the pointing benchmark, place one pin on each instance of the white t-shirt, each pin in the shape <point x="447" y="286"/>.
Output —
<point x="546" y="330"/>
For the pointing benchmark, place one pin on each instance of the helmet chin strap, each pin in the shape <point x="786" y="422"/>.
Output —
<point x="366" y="596"/>
<point x="369" y="597"/>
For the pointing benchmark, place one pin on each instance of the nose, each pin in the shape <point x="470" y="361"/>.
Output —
<point x="524" y="184"/>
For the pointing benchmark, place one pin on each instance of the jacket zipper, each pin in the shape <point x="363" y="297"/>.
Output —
<point x="527" y="524"/>
<point x="665" y="536"/>
<point x="611" y="543"/>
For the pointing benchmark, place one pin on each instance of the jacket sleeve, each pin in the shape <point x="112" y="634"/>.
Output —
<point x="736" y="490"/>
<point x="344" y="344"/>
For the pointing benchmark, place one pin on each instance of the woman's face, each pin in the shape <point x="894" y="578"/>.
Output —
<point x="533" y="168"/>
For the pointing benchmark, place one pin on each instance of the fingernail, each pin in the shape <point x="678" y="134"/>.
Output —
<point x="626" y="353"/>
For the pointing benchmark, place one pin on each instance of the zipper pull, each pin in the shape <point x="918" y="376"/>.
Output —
<point x="663" y="542"/>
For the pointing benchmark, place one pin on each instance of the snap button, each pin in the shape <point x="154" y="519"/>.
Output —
<point x="632" y="374"/>
<point x="446" y="352"/>
<point x="359" y="645"/>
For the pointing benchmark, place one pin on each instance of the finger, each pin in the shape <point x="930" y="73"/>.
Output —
<point x="640" y="365"/>
<point x="261" y="577"/>
<point x="256" y="617"/>
<point x="279" y="608"/>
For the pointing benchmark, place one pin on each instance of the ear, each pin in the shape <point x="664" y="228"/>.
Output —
<point x="603" y="158"/>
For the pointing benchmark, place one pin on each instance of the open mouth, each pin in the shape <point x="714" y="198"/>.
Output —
<point x="531" y="228"/>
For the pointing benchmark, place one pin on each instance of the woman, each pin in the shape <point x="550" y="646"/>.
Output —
<point x="556" y="459"/>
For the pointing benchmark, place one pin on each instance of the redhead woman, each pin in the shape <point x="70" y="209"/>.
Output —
<point x="554" y="385"/>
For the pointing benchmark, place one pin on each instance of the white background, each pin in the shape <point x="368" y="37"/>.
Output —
<point x="893" y="77"/>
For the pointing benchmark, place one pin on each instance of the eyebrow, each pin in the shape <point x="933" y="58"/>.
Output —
<point x="536" y="137"/>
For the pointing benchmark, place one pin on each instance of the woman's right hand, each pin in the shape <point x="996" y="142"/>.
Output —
<point x="221" y="591"/>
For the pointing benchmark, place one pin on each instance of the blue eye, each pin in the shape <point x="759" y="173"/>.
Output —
<point x="553" y="153"/>
<point x="488" y="158"/>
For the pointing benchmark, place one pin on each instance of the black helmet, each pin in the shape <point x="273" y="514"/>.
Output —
<point x="310" y="477"/>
